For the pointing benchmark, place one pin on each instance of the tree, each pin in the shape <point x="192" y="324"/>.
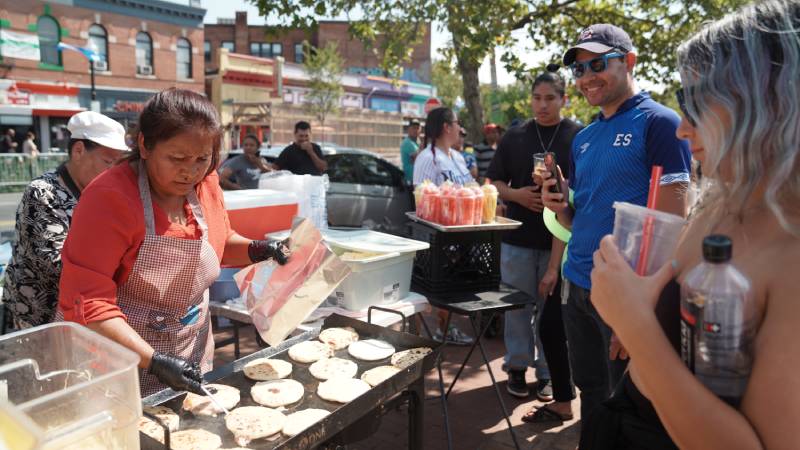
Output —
<point x="506" y="103"/>
<point x="477" y="27"/>
<point x="447" y="82"/>
<point x="324" y="67"/>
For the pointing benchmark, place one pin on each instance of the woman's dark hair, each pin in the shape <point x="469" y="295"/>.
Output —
<point x="434" y="125"/>
<point x="253" y="137"/>
<point x="175" y="111"/>
<point x="552" y="77"/>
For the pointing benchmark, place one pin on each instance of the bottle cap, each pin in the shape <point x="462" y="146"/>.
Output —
<point x="717" y="248"/>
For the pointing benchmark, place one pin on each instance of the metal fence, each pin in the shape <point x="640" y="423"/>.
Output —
<point x="19" y="169"/>
<point x="377" y="131"/>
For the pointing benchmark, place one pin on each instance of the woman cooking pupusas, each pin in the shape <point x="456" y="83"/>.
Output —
<point x="147" y="240"/>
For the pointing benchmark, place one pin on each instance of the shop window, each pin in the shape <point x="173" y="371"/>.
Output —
<point x="98" y="41"/>
<point x="144" y="54"/>
<point x="184" y="59"/>
<point x="298" y="53"/>
<point x="49" y="36"/>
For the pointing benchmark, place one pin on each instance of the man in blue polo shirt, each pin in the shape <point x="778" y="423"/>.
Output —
<point x="612" y="159"/>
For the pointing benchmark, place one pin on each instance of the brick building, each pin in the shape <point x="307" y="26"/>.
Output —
<point x="269" y="42"/>
<point x="145" y="46"/>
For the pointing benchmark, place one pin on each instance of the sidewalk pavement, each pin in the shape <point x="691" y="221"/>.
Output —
<point x="476" y="421"/>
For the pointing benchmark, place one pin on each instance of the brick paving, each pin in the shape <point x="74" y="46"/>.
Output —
<point x="476" y="421"/>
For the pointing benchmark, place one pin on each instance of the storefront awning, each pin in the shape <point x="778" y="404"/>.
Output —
<point x="56" y="112"/>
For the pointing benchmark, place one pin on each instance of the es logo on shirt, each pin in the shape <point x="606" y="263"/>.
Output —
<point x="623" y="140"/>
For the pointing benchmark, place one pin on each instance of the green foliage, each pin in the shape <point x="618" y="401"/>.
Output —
<point x="657" y="27"/>
<point x="324" y="67"/>
<point x="447" y="82"/>
<point x="506" y="103"/>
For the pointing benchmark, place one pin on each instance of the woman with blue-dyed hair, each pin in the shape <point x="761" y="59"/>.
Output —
<point x="741" y="105"/>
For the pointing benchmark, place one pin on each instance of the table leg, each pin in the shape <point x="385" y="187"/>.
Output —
<point x="444" y="401"/>
<point x="425" y="326"/>
<point x="478" y="337"/>
<point x="494" y="384"/>
<point x="236" y="351"/>
<point x="416" y="416"/>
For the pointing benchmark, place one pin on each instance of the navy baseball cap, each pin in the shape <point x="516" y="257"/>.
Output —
<point x="599" y="38"/>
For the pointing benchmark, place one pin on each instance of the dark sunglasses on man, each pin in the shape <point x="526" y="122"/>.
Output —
<point x="681" y="97"/>
<point x="597" y="65"/>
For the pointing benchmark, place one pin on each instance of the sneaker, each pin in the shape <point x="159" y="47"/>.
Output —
<point x="454" y="336"/>
<point x="516" y="385"/>
<point x="544" y="390"/>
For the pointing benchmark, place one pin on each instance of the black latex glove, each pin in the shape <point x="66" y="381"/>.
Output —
<point x="177" y="373"/>
<point x="263" y="250"/>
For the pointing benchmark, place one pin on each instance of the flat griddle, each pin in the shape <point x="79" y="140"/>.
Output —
<point x="342" y="415"/>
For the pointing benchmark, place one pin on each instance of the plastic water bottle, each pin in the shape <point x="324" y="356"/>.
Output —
<point x="718" y="322"/>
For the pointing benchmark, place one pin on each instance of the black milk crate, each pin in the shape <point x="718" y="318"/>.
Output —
<point x="464" y="261"/>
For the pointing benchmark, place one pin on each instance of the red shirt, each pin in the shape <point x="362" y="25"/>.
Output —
<point x="106" y="233"/>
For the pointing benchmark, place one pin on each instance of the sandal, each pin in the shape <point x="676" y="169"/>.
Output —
<point x="545" y="415"/>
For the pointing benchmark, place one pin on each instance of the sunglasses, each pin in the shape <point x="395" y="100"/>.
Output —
<point x="681" y="97"/>
<point x="597" y="65"/>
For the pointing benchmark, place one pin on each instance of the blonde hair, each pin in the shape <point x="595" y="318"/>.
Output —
<point x="748" y="65"/>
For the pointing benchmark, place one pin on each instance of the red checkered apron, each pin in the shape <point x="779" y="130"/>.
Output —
<point x="166" y="295"/>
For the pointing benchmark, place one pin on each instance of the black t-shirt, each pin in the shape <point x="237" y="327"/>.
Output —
<point x="513" y="163"/>
<point x="296" y="160"/>
<point x="6" y="144"/>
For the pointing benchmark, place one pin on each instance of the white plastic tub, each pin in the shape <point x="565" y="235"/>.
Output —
<point x="380" y="280"/>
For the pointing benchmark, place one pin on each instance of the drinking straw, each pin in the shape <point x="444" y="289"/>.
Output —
<point x="649" y="221"/>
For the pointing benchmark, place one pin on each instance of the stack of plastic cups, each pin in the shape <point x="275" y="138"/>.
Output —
<point x="447" y="212"/>
<point x="419" y="199"/>
<point x="489" y="202"/>
<point x="431" y="202"/>
<point x="479" y="200"/>
<point x="465" y="206"/>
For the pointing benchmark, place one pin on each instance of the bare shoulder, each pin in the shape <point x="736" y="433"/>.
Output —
<point x="772" y="402"/>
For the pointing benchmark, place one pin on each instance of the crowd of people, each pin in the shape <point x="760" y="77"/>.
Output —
<point x="133" y="258"/>
<point x="9" y="144"/>
<point x="594" y="322"/>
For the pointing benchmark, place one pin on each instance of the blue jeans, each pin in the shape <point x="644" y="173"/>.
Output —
<point x="523" y="268"/>
<point x="588" y="338"/>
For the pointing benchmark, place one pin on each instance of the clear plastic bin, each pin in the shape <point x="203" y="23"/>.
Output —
<point x="77" y="389"/>
<point x="380" y="280"/>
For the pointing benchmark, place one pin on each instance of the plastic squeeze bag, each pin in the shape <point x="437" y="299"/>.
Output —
<point x="279" y="297"/>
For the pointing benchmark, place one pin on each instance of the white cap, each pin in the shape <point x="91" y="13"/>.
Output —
<point x="98" y="129"/>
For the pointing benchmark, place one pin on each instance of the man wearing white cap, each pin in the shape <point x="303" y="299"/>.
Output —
<point x="30" y="291"/>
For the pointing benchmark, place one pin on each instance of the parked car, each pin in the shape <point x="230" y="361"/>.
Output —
<point x="365" y="189"/>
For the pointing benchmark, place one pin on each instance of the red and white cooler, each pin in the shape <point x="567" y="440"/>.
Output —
<point x="255" y="212"/>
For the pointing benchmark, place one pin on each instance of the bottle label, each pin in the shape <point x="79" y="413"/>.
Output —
<point x="688" y="323"/>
